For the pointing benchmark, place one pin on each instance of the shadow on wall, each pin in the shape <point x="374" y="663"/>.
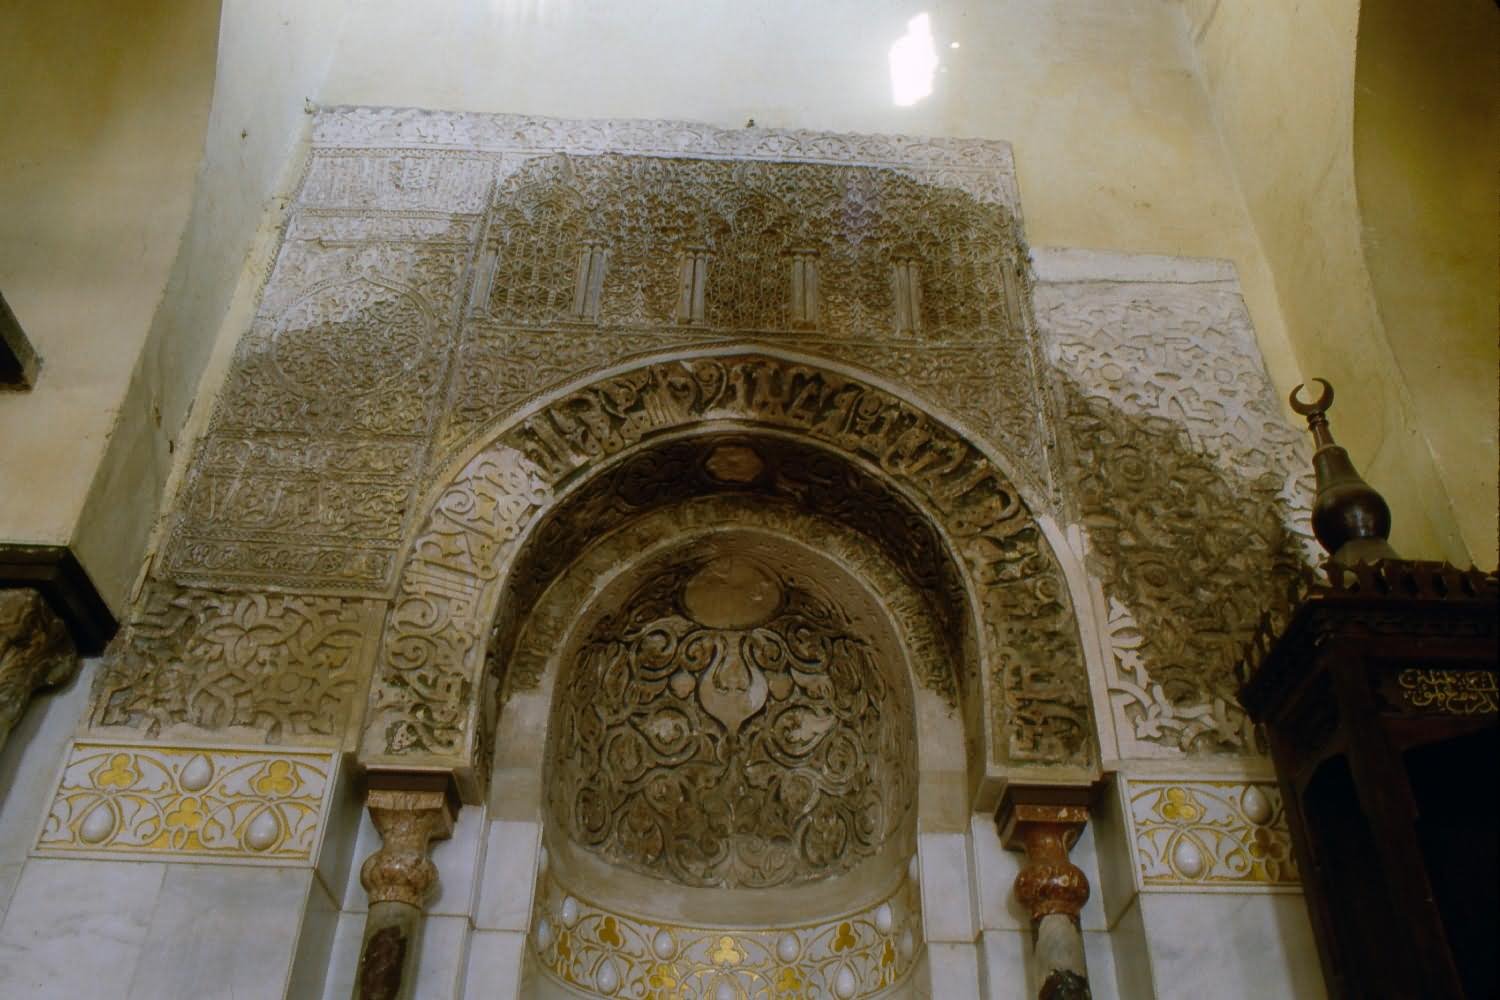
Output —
<point x="1190" y="556"/>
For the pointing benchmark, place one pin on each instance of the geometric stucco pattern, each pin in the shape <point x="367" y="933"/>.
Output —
<point x="1192" y="490"/>
<point x="1197" y="835"/>
<point x="198" y="804"/>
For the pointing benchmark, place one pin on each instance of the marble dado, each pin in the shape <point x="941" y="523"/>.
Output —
<point x="199" y="804"/>
<point x="1199" y="835"/>
<point x="596" y="952"/>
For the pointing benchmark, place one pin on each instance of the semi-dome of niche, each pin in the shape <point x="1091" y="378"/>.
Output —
<point x="729" y="723"/>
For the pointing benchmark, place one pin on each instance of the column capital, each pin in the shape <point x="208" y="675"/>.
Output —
<point x="410" y="810"/>
<point x="1045" y="821"/>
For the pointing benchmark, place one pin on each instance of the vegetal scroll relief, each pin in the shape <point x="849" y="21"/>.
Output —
<point x="1193" y="491"/>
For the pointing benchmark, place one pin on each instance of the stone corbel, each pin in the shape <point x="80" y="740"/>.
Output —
<point x="410" y="811"/>
<point x="1045" y="823"/>
<point x="35" y="652"/>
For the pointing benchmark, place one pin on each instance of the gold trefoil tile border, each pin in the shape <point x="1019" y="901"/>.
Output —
<point x="1208" y="835"/>
<point x="191" y="803"/>
<point x="604" y="953"/>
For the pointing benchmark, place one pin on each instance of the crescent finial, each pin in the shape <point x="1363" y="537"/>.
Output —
<point x="1319" y="405"/>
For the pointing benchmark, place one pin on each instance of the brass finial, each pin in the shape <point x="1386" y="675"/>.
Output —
<point x="1350" y="519"/>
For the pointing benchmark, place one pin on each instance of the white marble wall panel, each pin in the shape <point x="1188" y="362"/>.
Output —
<point x="954" y="970"/>
<point x="509" y="880"/>
<point x="221" y="931"/>
<point x="459" y="861"/>
<point x="337" y="863"/>
<point x="947" y="885"/>
<point x="1132" y="961"/>
<point x="496" y="962"/>
<point x="443" y="958"/>
<point x="1113" y="857"/>
<point x="1098" y="953"/>
<point x="343" y="959"/>
<point x="76" y="928"/>
<point x="1230" y="947"/>
<point x="995" y="871"/>
<point x="1005" y="965"/>
<point x="314" y="958"/>
<point x="10" y="874"/>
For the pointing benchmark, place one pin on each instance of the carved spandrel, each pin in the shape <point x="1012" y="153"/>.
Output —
<point x="321" y="434"/>
<point x="278" y="666"/>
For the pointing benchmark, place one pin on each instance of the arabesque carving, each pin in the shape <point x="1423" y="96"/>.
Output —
<point x="465" y="323"/>
<point x="449" y="588"/>
<point x="1192" y="488"/>
<point x="202" y="804"/>
<point x="784" y="474"/>
<point x="280" y="666"/>
<point x="726" y="726"/>
<point x="421" y="295"/>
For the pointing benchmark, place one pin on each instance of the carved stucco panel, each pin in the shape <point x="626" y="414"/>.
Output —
<point x="425" y="700"/>
<point x="982" y="168"/>
<point x="1190" y="485"/>
<point x="322" y="430"/>
<point x="35" y="652"/>
<point x="395" y="229"/>
<point x="274" y="667"/>
<point x="1028" y="633"/>
<point x="729" y="724"/>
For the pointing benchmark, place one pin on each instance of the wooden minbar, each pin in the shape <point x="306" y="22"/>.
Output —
<point x="1378" y="697"/>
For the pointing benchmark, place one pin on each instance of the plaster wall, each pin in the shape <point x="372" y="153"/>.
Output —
<point x="1427" y="170"/>
<point x="272" y="56"/>
<point x="1406" y="334"/>
<point x="105" y="106"/>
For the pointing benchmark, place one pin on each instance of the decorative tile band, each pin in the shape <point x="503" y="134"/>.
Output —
<point x="204" y="804"/>
<point x="1204" y="835"/>
<point x="599" y="953"/>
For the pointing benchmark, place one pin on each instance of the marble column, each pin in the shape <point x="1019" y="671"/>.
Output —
<point x="35" y="652"/>
<point x="1045" y="822"/>
<point x="409" y="811"/>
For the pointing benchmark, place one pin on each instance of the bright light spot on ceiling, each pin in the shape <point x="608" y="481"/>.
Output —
<point x="913" y="61"/>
